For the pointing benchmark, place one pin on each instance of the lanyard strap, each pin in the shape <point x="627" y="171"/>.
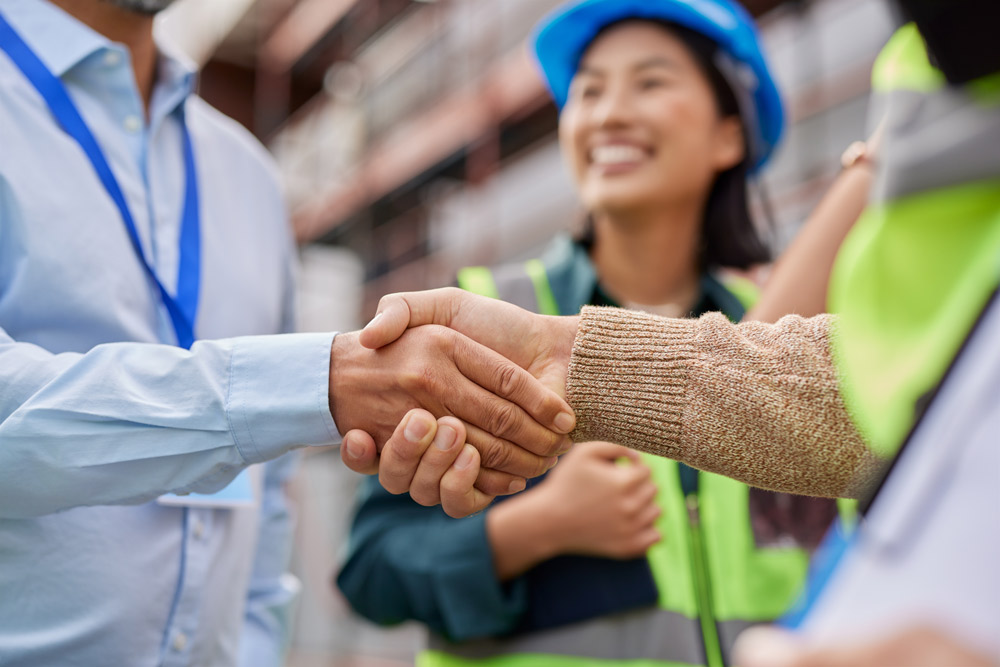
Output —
<point x="183" y="307"/>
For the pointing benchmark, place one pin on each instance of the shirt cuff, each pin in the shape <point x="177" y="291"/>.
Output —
<point x="485" y="606"/>
<point x="279" y="394"/>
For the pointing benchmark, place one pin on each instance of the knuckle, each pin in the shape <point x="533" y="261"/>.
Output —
<point x="451" y="489"/>
<point x="493" y="485"/>
<point x="507" y="379"/>
<point x="496" y="455"/>
<point x="537" y="466"/>
<point x="439" y="336"/>
<point x="418" y="377"/>
<point x="549" y="445"/>
<point x="503" y="419"/>
<point x="391" y="483"/>
<point x="424" y="497"/>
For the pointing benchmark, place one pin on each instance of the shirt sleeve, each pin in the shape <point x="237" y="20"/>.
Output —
<point x="409" y="562"/>
<point x="272" y="589"/>
<point x="127" y="422"/>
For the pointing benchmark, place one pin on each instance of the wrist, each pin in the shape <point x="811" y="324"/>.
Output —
<point x="344" y="369"/>
<point x="559" y="334"/>
<point x="857" y="154"/>
<point x="522" y="533"/>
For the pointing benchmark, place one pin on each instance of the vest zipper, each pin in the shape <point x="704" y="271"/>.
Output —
<point x="709" y="630"/>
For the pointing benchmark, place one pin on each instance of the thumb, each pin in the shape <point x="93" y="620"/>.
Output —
<point x="359" y="453"/>
<point x="389" y="323"/>
<point x="399" y="312"/>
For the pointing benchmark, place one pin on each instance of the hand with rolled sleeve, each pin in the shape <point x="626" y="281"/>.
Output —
<point x="696" y="390"/>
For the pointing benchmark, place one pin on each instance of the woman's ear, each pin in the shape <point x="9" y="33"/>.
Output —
<point x="730" y="147"/>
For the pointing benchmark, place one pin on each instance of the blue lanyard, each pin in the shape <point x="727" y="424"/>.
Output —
<point x="183" y="307"/>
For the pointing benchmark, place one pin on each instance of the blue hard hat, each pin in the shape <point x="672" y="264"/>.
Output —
<point x="560" y="40"/>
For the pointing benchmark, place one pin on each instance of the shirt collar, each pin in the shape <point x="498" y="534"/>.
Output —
<point x="57" y="38"/>
<point x="176" y="76"/>
<point x="62" y="42"/>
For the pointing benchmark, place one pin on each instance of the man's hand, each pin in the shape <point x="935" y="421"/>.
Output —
<point x="911" y="647"/>
<point x="427" y="457"/>
<point x="540" y="344"/>
<point x="517" y="424"/>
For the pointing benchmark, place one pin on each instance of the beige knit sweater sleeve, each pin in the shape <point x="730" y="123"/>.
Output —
<point x="757" y="402"/>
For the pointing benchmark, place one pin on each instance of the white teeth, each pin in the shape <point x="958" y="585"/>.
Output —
<point x="616" y="154"/>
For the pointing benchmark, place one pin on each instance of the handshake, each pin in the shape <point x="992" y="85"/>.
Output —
<point x="453" y="397"/>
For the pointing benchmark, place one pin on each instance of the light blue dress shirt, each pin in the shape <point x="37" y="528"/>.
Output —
<point x="100" y="414"/>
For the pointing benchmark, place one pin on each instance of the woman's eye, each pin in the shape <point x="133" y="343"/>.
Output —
<point x="650" y="84"/>
<point x="589" y="92"/>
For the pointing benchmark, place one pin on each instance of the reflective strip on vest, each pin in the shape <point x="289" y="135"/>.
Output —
<point x="478" y="280"/>
<point x="525" y="285"/>
<point x="729" y="631"/>
<point x="658" y="635"/>
<point x="936" y="141"/>
<point x="544" y="297"/>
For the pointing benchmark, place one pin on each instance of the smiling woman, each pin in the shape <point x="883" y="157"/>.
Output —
<point x="666" y="108"/>
<point x="654" y="138"/>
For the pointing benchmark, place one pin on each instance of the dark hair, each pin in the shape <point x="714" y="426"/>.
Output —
<point x="728" y="235"/>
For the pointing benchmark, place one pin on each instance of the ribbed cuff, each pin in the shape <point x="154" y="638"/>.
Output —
<point x="628" y="378"/>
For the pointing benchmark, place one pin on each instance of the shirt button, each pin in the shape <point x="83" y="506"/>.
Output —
<point x="132" y="124"/>
<point x="112" y="58"/>
<point x="180" y="642"/>
<point x="198" y="529"/>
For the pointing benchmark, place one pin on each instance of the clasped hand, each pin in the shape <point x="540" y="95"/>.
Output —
<point x="490" y="373"/>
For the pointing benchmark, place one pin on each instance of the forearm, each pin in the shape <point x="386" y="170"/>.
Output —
<point x="798" y="284"/>
<point x="127" y="422"/>
<point x="408" y="562"/>
<point x="521" y="534"/>
<point x="756" y="402"/>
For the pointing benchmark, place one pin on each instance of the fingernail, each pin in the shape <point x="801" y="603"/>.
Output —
<point x="565" y="422"/>
<point x="464" y="459"/>
<point x="517" y="486"/>
<point x="445" y="438"/>
<point x="565" y="448"/>
<point x="354" y="449"/>
<point x="374" y="320"/>
<point x="416" y="429"/>
<point x="551" y="463"/>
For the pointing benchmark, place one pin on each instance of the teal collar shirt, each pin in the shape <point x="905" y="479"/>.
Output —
<point x="100" y="412"/>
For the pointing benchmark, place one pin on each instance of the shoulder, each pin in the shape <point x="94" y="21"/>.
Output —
<point x="240" y="177"/>
<point x="227" y="139"/>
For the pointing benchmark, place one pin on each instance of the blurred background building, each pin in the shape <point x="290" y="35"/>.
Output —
<point x="415" y="137"/>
